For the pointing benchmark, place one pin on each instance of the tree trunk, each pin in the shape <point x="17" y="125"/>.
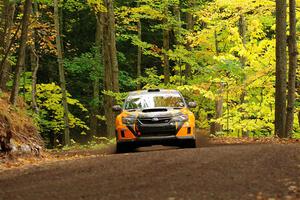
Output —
<point x="299" y="118"/>
<point x="1" y="10"/>
<point x="5" y="40"/>
<point x="216" y="127"/>
<point x="298" y="91"/>
<point x="292" y="43"/>
<point x="178" y="36"/>
<point x="7" y="12"/>
<point x="139" y="56"/>
<point x="61" y="75"/>
<point x="35" y="63"/>
<point x="242" y="32"/>
<point x="96" y="81"/>
<point x="21" y="55"/>
<point x="177" y="28"/>
<point x="189" y="27"/>
<point x="166" y="47"/>
<point x="281" y="61"/>
<point x="114" y="59"/>
<point x="95" y="103"/>
<point x="4" y="65"/>
<point x="110" y="62"/>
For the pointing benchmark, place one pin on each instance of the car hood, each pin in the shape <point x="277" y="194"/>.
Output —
<point x="156" y="112"/>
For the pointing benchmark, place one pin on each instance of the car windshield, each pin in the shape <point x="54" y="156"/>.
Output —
<point x="154" y="100"/>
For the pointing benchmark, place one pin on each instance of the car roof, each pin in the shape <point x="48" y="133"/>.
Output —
<point x="155" y="91"/>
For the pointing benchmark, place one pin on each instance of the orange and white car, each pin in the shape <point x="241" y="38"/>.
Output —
<point x="155" y="116"/>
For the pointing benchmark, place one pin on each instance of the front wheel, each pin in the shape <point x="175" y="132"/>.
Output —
<point x="188" y="144"/>
<point x="124" y="147"/>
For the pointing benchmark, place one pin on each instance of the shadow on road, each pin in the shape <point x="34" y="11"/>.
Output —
<point x="203" y="141"/>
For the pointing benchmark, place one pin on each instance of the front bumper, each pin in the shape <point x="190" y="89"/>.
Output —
<point x="157" y="140"/>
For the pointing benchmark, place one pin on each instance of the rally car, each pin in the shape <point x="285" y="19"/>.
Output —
<point x="154" y="117"/>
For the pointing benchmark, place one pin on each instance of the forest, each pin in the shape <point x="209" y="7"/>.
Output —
<point x="70" y="61"/>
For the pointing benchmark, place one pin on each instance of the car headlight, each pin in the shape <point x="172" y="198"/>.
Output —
<point x="180" y="118"/>
<point x="128" y="120"/>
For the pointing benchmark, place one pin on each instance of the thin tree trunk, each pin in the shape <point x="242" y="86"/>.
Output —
<point x="61" y="28"/>
<point x="242" y="32"/>
<point x="96" y="80"/>
<point x="110" y="62"/>
<point x="4" y="70"/>
<point x="108" y="78"/>
<point x="216" y="127"/>
<point x="299" y="118"/>
<point x="298" y="91"/>
<point x="35" y="63"/>
<point x="5" y="40"/>
<point x="95" y="106"/>
<point x="139" y="53"/>
<point x="178" y="20"/>
<point x="189" y="27"/>
<point x="166" y="47"/>
<point x="281" y="61"/>
<point x="1" y="10"/>
<point x="139" y="56"/>
<point x="219" y="108"/>
<point x="7" y="11"/>
<point x="177" y="36"/>
<point x="114" y="60"/>
<point x="61" y="74"/>
<point x="292" y="43"/>
<point x="21" y="55"/>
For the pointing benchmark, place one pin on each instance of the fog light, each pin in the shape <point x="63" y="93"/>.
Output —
<point x="123" y="133"/>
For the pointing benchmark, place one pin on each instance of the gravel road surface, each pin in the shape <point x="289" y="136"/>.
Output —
<point x="257" y="171"/>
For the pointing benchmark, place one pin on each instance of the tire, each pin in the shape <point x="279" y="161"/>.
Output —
<point x="188" y="144"/>
<point x="124" y="148"/>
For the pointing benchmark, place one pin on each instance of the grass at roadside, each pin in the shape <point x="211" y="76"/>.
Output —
<point x="97" y="147"/>
<point x="95" y="144"/>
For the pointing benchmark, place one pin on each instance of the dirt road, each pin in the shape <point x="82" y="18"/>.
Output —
<point x="213" y="172"/>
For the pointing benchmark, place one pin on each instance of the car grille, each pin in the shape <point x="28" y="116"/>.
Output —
<point x="160" y="120"/>
<point x="157" y="127"/>
<point x="161" y="133"/>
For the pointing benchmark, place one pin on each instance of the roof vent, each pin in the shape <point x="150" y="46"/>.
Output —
<point x="154" y="90"/>
<point x="155" y="110"/>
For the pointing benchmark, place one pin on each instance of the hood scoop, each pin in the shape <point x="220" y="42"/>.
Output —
<point x="155" y="110"/>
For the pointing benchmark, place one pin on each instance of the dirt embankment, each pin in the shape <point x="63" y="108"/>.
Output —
<point x="18" y="132"/>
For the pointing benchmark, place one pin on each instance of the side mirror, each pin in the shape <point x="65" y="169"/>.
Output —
<point x="192" y="104"/>
<point x="117" y="108"/>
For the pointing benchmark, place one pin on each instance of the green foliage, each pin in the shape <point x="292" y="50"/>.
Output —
<point x="117" y="96"/>
<point x="85" y="67"/>
<point x="25" y="81"/>
<point x="95" y="144"/>
<point x="226" y="71"/>
<point x="255" y="79"/>
<point x="49" y="100"/>
<point x="152" y="79"/>
<point x="127" y="83"/>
